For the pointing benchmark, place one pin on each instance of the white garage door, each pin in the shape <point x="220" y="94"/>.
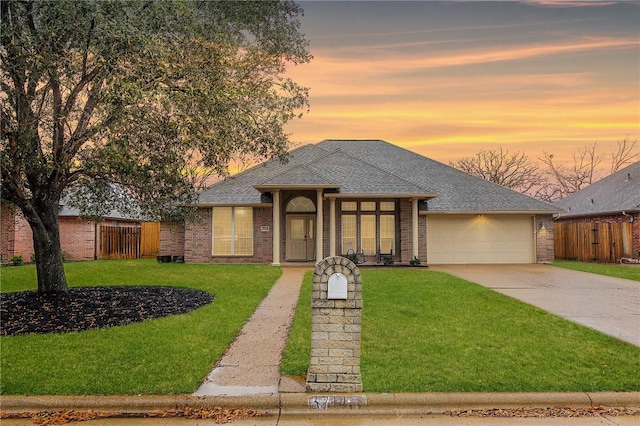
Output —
<point x="480" y="239"/>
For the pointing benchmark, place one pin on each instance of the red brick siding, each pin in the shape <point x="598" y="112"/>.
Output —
<point x="77" y="238"/>
<point x="23" y="238"/>
<point x="406" y="233"/>
<point x="197" y="238"/>
<point x="422" y="239"/>
<point x="7" y="233"/>
<point x="262" y="240"/>
<point x="636" y="235"/>
<point x="171" y="239"/>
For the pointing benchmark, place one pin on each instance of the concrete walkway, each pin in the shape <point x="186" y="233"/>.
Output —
<point x="607" y="304"/>
<point x="251" y="364"/>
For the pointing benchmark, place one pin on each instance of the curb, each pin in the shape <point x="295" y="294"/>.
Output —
<point x="307" y="403"/>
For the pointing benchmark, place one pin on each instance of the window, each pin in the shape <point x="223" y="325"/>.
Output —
<point x="349" y="206"/>
<point x="387" y="206"/>
<point x="348" y="233"/>
<point x="387" y="233"/>
<point x="368" y="206"/>
<point x="301" y="205"/>
<point x="370" y="227"/>
<point x="232" y="231"/>
<point x="368" y="233"/>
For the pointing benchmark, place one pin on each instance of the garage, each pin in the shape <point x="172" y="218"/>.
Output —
<point x="480" y="238"/>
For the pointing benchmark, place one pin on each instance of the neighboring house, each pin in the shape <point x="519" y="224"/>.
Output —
<point x="367" y="196"/>
<point x="602" y="221"/>
<point x="81" y="239"/>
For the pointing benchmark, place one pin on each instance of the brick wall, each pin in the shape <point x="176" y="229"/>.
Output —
<point x="77" y="238"/>
<point x="406" y="233"/>
<point x="544" y="239"/>
<point x="23" y="238"/>
<point x="171" y="239"/>
<point x="636" y="235"/>
<point x="336" y="325"/>
<point x="7" y="233"/>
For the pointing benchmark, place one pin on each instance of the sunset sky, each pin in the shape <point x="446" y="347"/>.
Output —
<point x="447" y="79"/>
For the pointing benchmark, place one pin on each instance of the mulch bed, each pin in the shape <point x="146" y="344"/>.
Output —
<point x="86" y="308"/>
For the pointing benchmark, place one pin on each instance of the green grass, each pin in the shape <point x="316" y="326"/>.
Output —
<point x="166" y="355"/>
<point x="429" y="331"/>
<point x="629" y="272"/>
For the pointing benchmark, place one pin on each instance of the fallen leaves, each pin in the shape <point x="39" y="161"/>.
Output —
<point x="547" y="412"/>
<point x="217" y="414"/>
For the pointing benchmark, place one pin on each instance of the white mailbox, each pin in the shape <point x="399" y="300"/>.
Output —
<point x="337" y="286"/>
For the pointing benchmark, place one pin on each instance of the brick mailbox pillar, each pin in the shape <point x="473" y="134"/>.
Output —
<point x="336" y="312"/>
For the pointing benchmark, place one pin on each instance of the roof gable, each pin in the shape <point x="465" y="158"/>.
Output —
<point x="615" y="193"/>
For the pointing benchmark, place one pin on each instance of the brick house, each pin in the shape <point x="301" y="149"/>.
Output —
<point x="364" y="196"/>
<point x="79" y="238"/>
<point x="602" y="221"/>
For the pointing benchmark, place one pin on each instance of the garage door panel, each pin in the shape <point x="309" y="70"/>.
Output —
<point x="479" y="239"/>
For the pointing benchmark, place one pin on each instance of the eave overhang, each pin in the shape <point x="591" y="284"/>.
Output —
<point x="296" y="187"/>
<point x="491" y="212"/>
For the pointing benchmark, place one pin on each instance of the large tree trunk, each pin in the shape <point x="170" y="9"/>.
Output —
<point x="48" y="251"/>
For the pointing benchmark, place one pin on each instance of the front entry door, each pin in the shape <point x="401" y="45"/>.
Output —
<point x="300" y="237"/>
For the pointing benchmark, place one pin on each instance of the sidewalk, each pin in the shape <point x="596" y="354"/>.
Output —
<point x="251" y="364"/>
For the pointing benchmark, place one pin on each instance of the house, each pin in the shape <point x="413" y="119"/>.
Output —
<point x="81" y="239"/>
<point x="602" y="221"/>
<point x="367" y="196"/>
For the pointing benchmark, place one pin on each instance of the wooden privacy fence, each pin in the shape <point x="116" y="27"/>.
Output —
<point x="592" y="241"/>
<point x="150" y="239"/>
<point x="120" y="242"/>
<point x="129" y="242"/>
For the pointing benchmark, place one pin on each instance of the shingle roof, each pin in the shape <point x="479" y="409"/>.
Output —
<point x="374" y="167"/>
<point x="614" y="194"/>
<point x="457" y="191"/>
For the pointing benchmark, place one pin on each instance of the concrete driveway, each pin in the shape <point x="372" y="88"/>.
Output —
<point x="610" y="305"/>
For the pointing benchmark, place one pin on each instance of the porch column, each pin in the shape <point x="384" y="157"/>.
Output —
<point x="414" y="227"/>
<point x="276" y="228"/>
<point x="319" y="227"/>
<point x="332" y="227"/>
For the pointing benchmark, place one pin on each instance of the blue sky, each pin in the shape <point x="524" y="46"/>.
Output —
<point x="447" y="79"/>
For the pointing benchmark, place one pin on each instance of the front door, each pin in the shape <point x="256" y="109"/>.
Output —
<point x="300" y="237"/>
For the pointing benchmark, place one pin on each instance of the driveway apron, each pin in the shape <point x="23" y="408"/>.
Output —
<point x="251" y="364"/>
<point x="607" y="304"/>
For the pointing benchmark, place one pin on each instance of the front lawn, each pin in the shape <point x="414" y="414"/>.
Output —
<point x="166" y="355"/>
<point x="427" y="331"/>
<point x="629" y="272"/>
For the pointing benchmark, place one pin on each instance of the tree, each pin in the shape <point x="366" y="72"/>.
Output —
<point x="512" y="170"/>
<point x="136" y="101"/>
<point x="584" y="169"/>
<point x="627" y="152"/>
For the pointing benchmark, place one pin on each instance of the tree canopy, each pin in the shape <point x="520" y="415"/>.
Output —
<point x="138" y="100"/>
